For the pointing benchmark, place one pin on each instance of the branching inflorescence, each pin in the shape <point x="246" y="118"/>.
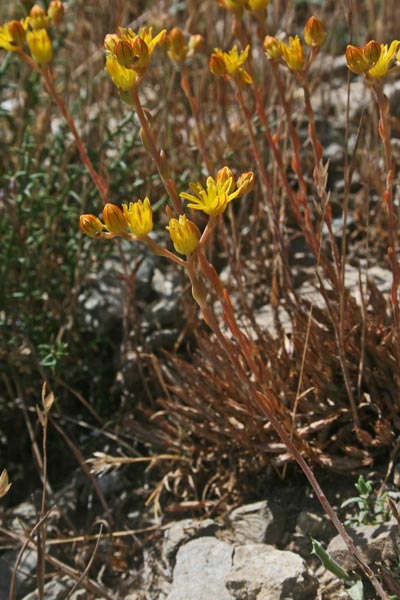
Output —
<point x="128" y="57"/>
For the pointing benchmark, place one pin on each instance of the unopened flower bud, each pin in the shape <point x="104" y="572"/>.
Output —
<point x="90" y="225"/>
<point x="38" y="18"/>
<point x="245" y="183"/>
<point x="177" y="48"/>
<point x="184" y="234"/>
<point x="114" y="219"/>
<point x="141" y="53"/>
<point x="195" y="44"/>
<point x="217" y="65"/>
<point x="272" y="47"/>
<point x="56" y="11"/>
<point x="223" y="174"/>
<point x="314" y="34"/>
<point x="372" y="52"/>
<point x="124" y="54"/>
<point x="356" y="60"/>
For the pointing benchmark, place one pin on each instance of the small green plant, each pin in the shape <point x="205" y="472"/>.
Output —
<point x="372" y="509"/>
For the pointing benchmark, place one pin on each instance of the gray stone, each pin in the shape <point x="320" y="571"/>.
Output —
<point x="201" y="567"/>
<point x="166" y="311"/>
<point x="259" y="523"/>
<point x="261" y="572"/>
<point x="166" y="284"/>
<point x="25" y="574"/>
<point x="374" y="542"/>
<point x="182" y="531"/>
<point x="58" y="589"/>
<point x="143" y="277"/>
<point x="163" y="338"/>
<point x="312" y="524"/>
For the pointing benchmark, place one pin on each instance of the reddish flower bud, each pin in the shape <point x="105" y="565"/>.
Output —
<point x="314" y="34"/>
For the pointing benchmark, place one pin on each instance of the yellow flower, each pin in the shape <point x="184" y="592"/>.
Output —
<point x="257" y="4"/>
<point x="128" y="54"/>
<point x="230" y="64"/>
<point x="13" y="35"/>
<point x="381" y="67"/>
<point x="314" y="34"/>
<point x="39" y="44"/>
<point x="184" y="234"/>
<point x="122" y="77"/>
<point x="114" y="219"/>
<point x="38" y="18"/>
<point x="146" y="35"/>
<point x="90" y="225"/>
<point x="294" y="54"/>
<point x="213" y="200"/>
<point x="139" y="216"/>
<point x="272" y="47"/>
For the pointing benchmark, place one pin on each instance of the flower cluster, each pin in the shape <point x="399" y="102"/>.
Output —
<point x="137" y="217"/>
<point x="230" y="65"/>
<point x="292" y="54"/>
<point x="214" y="199"/>
<point x="178" y="49"/>
<point x="33" y="31"/>
<point x="373" y="60"/>
<point x="128" y="55"/>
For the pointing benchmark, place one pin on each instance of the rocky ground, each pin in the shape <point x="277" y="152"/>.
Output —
<point x="259" y="551"/>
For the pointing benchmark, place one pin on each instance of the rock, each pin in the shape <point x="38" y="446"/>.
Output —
<point x="259" y="523"/>
<point x="309" y="523"/>
<point x="166" y="284"/>
<point x="201" y="567"/>
<point x="167" y="311"/>
<point x="58" y="589"/>
<point x="374" y="542"/>
<point x="25" y="574"/>
<point x="181" y="532"/>
<point x="100" y="303"/>
<point x="144" y="276"/>
<point x="261" y="572"/>
<point x="162" y="339"/>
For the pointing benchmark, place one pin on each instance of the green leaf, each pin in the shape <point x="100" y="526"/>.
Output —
<point x="328" y="562"/>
